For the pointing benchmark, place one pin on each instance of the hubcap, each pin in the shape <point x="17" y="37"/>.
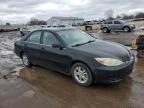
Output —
<point x="25" y="60"/>
<point x="80" y="74"/>
<point x="126" y="29"/>
<point x="104" y="30"/>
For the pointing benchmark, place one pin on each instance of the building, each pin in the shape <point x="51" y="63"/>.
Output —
<point x="56" y="21"/>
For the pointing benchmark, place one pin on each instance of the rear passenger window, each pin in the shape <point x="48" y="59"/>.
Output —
<point x="49" y="38"/>
<point x="117" y="22"/>
<point x="35" y="37"/>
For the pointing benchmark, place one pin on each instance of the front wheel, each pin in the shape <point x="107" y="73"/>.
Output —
<point x="81" y="74"/>
<point x="25" y="60"/>
<point x="105" y="30"/>
<point x="126" y="29"/>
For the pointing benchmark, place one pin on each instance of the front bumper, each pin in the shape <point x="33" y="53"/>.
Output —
<point x="132" y="27"/>
<point x="112" y="74"/>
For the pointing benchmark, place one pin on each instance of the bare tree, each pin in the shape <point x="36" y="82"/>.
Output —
<point x="131" y="16"/>
<point x="140" y="15"/>
<point x="35" y="21"/>
<point x="8" y="24"/>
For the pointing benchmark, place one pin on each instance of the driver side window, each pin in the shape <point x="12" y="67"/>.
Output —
<point x="49" y="38"/>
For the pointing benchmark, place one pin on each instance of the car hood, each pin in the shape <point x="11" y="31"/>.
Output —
<point x="105" y="49"/>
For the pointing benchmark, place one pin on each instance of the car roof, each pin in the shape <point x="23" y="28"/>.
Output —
<point x="56" y="29"/>
<point x="114" y="20"/>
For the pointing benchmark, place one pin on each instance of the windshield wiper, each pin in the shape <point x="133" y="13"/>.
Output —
<point x="83" y="43"/>
<point x="77" y="45"/>
<point x="90" y="41"/>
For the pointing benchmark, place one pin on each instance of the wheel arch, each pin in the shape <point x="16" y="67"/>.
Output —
<point x="21" y="52"/>
<point x="107" y="28"/>
<point x="126" y="26"/>
<point x="80" y="61"/>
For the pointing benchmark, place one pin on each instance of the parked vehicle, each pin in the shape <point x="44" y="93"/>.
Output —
<point x="116" y="25"/>
<point x="74" y="52"/>
<point x="140" y="45"/>
<point x="28" y="29"/>
<point x="24" y="31"/>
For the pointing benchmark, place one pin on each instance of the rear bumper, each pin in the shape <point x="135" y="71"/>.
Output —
<point x="113" y="74"/>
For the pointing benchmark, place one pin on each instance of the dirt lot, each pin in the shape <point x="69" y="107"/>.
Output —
<point x="40" y="88"/>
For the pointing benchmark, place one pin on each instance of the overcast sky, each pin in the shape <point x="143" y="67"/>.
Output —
<point x="20" y="11"/>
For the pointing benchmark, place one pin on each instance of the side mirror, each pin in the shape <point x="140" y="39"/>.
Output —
<point x="57" y="46"/>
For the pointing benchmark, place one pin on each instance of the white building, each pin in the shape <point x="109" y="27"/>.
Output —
<point x="55" y="21"/>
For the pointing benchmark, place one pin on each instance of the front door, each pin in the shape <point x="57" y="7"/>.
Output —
<point x="54" y="58"/>
<point x="110" y="24"/>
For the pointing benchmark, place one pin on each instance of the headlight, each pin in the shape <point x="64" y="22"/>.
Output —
<point x="109" y="61"/>
<point x="132" y="25"/>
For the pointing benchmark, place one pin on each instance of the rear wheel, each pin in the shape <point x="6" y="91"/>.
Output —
<point x="126" y="29"/>
<point x="82" y="74"/>
<point x="25" y="60"/>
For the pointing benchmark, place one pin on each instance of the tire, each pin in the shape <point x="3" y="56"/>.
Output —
<point x="25" y="60"/>
<point x="126" y="29"/>
<point x="81" y="74"/>
<point x="105" y="30"/>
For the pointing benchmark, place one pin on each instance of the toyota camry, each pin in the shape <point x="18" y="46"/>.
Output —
<point x="77" y="54"/>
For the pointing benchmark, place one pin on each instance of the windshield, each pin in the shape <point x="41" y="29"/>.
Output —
<point x="75" y="37"/>
<point x="122" y="21"/>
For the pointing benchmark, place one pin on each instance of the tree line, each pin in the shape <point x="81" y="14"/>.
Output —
<point x="109" y="14"/>
<point x="35" y="21"/>
<point x="132" y="16"/>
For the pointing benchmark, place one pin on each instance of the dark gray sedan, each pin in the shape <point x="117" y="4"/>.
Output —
<point x="76" y="53"/>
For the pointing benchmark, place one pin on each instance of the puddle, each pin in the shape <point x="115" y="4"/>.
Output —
<point x="128" y="94"/>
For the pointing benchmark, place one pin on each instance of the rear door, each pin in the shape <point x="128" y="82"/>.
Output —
<point x="32" y="46"/>
<point x="54" y="58"/>
<point x="117" y="25"/>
